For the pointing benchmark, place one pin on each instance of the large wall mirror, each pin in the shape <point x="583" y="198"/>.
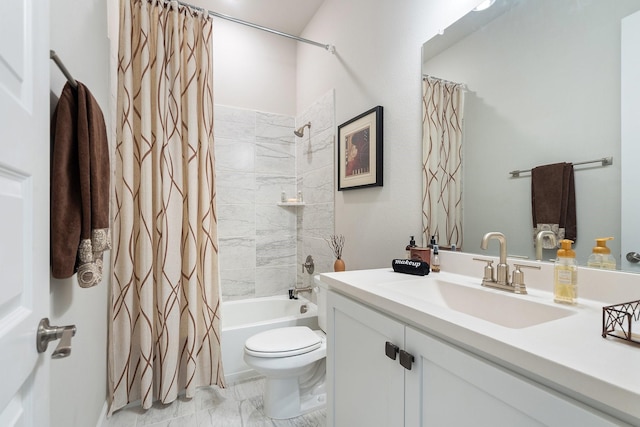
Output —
<point x="542" y="85"/>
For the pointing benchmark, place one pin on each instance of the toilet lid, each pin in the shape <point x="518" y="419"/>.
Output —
<point x="283" y="342"/>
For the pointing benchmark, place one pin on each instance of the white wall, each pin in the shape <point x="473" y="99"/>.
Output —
<point x="78" y="387"/>
<point x="377" y="62"/>
<point x="253" y="69"/>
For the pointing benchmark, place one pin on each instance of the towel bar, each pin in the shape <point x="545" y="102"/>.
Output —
<point x="605" y="161"/>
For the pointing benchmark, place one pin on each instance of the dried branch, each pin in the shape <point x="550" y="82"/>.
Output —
<point x="336" y="243"/>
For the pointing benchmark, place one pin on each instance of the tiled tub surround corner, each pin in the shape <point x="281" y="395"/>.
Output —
<point x="255" y="161"/>
<point x="257" y="157"/>
<point x="315" y="154"/>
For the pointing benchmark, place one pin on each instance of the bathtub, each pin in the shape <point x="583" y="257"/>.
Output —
<point x="244" y="318"/>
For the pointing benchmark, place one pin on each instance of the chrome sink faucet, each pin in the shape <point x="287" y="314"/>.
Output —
<point x="502" y="280"/>
<point x="502" y="277"/>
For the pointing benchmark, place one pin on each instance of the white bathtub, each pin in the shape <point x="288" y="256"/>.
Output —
<point x="244" y="318"/>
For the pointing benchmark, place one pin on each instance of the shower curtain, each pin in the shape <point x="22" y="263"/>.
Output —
<point x="164" y="333"/>
<point x="442" y="108"/>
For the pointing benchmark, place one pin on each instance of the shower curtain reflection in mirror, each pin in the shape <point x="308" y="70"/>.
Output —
<point x="442" y="113"/>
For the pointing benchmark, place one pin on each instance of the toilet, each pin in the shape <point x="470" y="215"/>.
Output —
<point x="292" y="359"/>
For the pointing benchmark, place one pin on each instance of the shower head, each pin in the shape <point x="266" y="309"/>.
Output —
<point x="300" y="131"/>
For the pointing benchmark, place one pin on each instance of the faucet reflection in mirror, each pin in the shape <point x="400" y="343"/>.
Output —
<point x="442" y="110"/>
<point x="544" y="239"/>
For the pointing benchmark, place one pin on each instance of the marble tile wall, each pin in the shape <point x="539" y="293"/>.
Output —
<point x="262" y="244"/>
<point x="316" y="178"/>
<point x="255" y="161"/>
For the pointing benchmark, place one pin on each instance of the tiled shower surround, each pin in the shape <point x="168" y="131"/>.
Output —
<point x="262" y="245"/>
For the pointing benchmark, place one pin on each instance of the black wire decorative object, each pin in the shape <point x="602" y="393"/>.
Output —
<point x="617" y="321"/>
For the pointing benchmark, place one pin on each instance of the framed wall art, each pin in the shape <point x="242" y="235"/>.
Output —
<point x="360" y="151"/>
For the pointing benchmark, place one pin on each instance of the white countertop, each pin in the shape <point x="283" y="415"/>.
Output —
<point x="568" y="354"/>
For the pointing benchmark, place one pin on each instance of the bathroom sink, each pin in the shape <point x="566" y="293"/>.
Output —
<point x="498" y="307"/>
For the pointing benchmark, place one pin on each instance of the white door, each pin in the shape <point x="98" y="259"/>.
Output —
<point x="630" y="143"/>
<point x="24" y="210"/>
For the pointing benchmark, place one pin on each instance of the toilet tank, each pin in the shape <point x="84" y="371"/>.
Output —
<point x="322" y="302"/>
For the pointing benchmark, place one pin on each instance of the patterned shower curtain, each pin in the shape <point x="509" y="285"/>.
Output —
<point x="442" y="110"/>
<point x="165" y="305"/>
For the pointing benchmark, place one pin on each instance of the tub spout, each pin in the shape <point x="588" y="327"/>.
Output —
<point x="293" y="293"/>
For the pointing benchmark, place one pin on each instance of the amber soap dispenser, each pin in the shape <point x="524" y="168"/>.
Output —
<point x="565" y="273"/>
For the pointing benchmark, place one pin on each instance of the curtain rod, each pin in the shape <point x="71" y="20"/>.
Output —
<point x="328" y="47"/>
<point x="67" y="74"/>
<point x="605" y="161"/>
<point x="429" y="77"/>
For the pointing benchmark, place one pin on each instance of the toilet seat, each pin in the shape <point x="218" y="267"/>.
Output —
<point x="283" y="342"/>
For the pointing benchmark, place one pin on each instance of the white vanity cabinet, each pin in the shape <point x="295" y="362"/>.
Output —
<point x="365" y="387"/>
<point x="446" y="385"/>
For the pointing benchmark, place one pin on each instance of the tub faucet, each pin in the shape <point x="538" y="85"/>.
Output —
<point x="293" y="293"/>
<point x="540" y="239"/>
<point x="308" y="265"/>
<point x="502" y="278"/>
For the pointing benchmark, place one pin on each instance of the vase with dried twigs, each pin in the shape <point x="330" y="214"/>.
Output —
<point x="336" y="243"/>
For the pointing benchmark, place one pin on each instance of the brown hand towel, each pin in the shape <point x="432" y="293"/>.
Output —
<point x="553" y="201"/>
<point x="79" y="187"/>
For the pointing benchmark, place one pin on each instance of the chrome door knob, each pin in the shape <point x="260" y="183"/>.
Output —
<point x="47" y="333"/>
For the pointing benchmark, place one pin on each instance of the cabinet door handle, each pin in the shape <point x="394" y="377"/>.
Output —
<point x="406" y="360"/>
<point x="390" y="349"/>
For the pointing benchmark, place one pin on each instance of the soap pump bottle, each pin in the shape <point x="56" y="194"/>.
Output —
<point x="435" y="260"/>
<point x="601" y="255"/>
<point x="565" y="272"/>
<point x="412" y="244"/>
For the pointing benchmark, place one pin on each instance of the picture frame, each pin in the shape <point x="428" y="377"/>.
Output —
<point x="360" y="151"/>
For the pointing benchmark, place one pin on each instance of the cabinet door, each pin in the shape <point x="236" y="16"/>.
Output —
<point x="451" y="387"/>
<point x="365" y="387"/>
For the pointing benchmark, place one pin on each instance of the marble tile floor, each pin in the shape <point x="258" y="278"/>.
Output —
<point x="239" y="405"/>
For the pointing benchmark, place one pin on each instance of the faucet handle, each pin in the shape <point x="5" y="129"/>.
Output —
<point x="518" y="278"/>
<point x="308" y="264"/>
<point x="488" y="269"/>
